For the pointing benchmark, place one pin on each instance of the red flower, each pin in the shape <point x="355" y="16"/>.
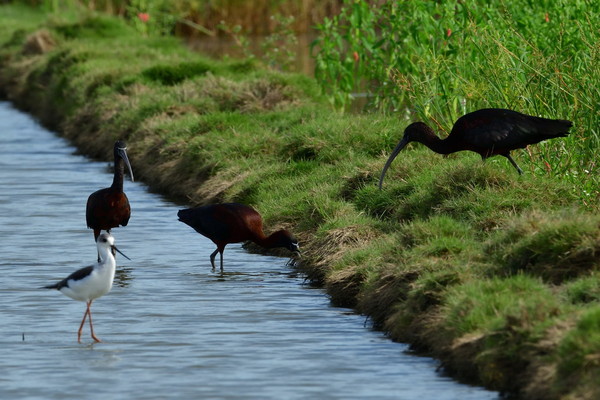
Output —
<point x="144" y="17"/>
<point x="356" y="57"/>
<point x="547" y="17"/>
<point x="448" y="32"/>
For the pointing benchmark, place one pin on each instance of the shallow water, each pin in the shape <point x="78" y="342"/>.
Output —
<point x="171" y="327"/>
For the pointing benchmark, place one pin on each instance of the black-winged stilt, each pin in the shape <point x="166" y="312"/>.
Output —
<point x="89" y="283"/>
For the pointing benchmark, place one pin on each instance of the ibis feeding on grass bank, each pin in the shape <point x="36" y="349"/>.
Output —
<point x="488" y="132"/>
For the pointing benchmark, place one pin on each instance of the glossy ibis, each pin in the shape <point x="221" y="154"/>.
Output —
<point x="234" y="223"/>
<point x="89" y="283"/>
<point x="489" y="132"/>
<point x="109" y="207"/>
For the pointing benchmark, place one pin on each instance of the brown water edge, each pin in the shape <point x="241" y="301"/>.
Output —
<point x="255" y="16"/>
<point x="221" y="47"/>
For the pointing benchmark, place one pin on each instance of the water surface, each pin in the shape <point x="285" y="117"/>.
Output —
<point x="171" y="327"/>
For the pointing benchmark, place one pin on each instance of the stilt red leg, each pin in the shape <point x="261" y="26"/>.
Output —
<point x="82" y="322"/>
<point x="91" y="324"/>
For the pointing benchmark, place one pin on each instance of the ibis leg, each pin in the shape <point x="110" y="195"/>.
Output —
<point x="221" y="261"/>
<point x="82" y="322"/>
<point x="519" y="170"/>
<point x="212" y="258"/>
<point x="96" y="234"/>
<point x="91" y="324"/>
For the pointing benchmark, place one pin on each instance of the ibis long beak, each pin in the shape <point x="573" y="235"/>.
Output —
<point x="123" y="154"/>
<point x="297" y="254"/>
<point x="296" y="250"/>
<point x="121" y="253"/>
<point x="397" y="150"/>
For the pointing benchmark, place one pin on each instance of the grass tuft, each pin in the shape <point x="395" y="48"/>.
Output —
<point x="584" y="290"/>
<point x="554" y="246"/>
<point x="92" y="26"/>
<point x="579" y="360"/>
<point x="173" y="74"/>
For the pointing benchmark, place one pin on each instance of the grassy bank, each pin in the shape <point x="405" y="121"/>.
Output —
<point x="495" y="274"/>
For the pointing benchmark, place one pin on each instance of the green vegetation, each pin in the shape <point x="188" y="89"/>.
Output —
<point x="193" y="17"/>
<point x="494" y="273"/>
<point x="438" y="60"/>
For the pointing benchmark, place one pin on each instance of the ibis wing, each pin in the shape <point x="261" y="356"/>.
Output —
<point x="496" y="132"/>
<point x="107" y="209"/>
<point x="89" y="211"/>
<point x="206" y="222"/>
<point x="226" y="223"/>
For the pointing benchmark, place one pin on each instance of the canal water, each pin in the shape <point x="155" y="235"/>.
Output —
<point x="171" y="327"/>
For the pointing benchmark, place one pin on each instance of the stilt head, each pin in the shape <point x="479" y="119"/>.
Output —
<point x="105" y="240"/>
<point x="106" y="244"/>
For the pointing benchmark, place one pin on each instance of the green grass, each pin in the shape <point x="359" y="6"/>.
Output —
<point x="486" y="305"/>
<point x="494" y="273"/>
<point x="584" y="290"/>
<point x="502" y="319"/>
<point x="579" y="363"/>
<point x="555" y="247"/>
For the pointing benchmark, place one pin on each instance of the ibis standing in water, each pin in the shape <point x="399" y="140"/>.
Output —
<point x="489" y="132"/>
<point x="89" y="283"/>
<point x="234" y="223"/>
<point x="109" y="207"/>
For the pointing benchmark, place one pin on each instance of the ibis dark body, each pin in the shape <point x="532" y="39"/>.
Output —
<point x="234" y="223"/>
<point x="109" y="208"/>
<point x="488" y="132"/>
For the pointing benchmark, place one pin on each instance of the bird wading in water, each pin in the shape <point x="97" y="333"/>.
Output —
<point x="89" y="283"/>
<point x="233" y="223"/>
<point x="109" y="207"/>
<point x="488" y="132"/>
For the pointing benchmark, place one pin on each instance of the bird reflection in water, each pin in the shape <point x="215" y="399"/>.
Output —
<point x="123" y="276"/>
